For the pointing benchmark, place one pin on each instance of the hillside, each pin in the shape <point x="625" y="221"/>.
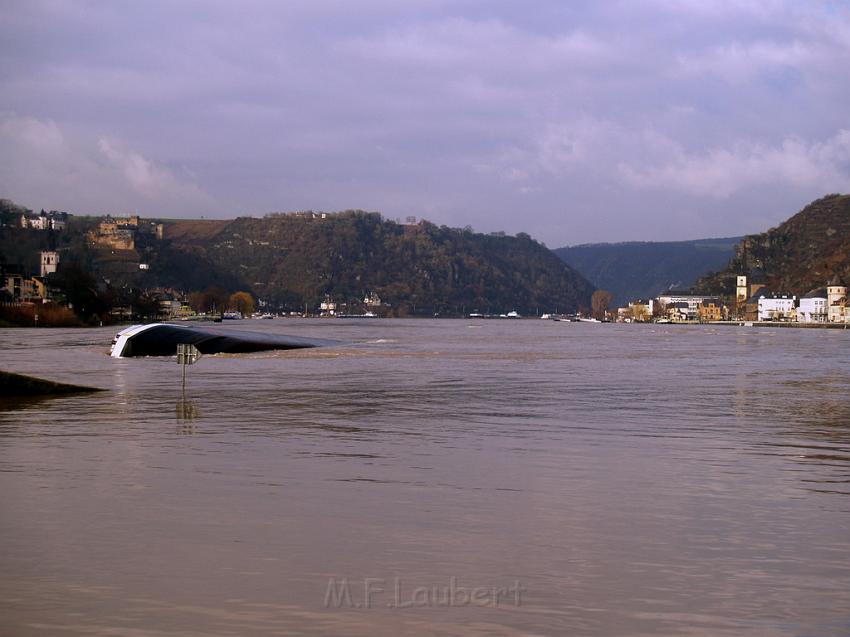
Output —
<point x="800" y="254"/>
<point x="635" y="270"/>
<point x="295" y="259"/>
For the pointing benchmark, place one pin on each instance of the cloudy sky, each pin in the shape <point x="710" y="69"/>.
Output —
<point x="573" y="121"/>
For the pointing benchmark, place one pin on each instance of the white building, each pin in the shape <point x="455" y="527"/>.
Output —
<point x="49" y="261"/>
<point x="813" y="307"/>
<point x="52" y="220"/>
<point x="679" y="312"/>
<point x="777" y="308"/>
<point x="327" y="306"/>
<point x="836" y="298"/>
<point x="41" y="222"/>
<point x="693" y="300"/>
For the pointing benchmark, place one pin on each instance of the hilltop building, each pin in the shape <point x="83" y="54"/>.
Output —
<point x="121" y="233"/>
<point x="117" y="233"/>
<point x="53" y="220"/>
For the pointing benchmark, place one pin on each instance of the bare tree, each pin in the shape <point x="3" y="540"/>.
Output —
<point x="600" y="302"/>
<point x="242" y="302"/>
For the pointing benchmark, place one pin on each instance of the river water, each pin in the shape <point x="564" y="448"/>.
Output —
<point x="441" y="477"/>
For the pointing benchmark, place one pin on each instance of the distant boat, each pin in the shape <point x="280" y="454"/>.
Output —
<point x="232" y="316"/>
<point x="589" y="320"/>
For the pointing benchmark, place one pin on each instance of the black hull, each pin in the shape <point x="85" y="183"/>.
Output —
<point x="162" y="340"/>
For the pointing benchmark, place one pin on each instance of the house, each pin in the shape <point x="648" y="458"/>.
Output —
<point x="641" y="310"/>
<point x="57" y="220"/>
<point x="678" y="311"/>
<point x="710" y="310"/>
<point x="53" y="220"/>
<point x="777" y="308"/>
<point x="35" y="222"/>
<point x="19" y="288"/>
<point x="836" y="293"/>
<point x="813" y="307"/>
<point x="11" y="284"/>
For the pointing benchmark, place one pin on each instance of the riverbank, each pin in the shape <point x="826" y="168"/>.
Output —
<point x="815" y="326"/>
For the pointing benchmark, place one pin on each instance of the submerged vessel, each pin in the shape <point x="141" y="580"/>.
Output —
<point x="161" y="339"/>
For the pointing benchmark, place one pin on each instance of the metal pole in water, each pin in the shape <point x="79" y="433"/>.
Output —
<point x="187" y="355"/>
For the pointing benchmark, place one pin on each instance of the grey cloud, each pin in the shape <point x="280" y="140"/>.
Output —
<point x="100" y="177"/>
<point x="573" y="121"/>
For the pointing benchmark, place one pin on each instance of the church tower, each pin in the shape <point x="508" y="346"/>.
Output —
<point x="836" y="300"/>
<point x="741" y="289"/>
<point x="49" y="261"/>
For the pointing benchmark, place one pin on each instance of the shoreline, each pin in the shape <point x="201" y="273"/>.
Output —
<point x="123" y="324"/>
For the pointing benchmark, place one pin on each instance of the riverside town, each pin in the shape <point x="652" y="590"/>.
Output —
<point x="60" y="269"/>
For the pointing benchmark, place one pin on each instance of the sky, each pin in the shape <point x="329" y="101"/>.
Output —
<point x="573" y="121"/>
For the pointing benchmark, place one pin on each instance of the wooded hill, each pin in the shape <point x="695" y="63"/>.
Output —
<point x="296" y="259"/>
<point x="799" y="255"/>
<point x="635" y="270"/>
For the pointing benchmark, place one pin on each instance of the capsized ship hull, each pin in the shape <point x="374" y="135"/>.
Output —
<point x="161" y="339"/>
